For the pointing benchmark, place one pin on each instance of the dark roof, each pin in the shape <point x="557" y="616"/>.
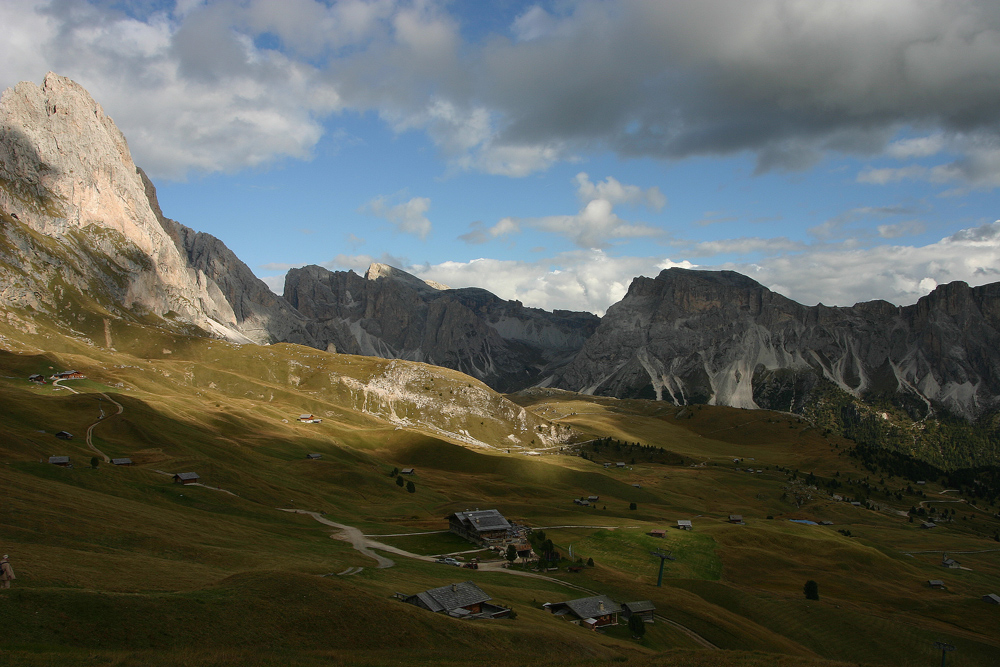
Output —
<point x="640" y="606"/>
<point x="992" y="597"/>
<point x="314" y="456"/>
<point x="186" y="475"/>
<point x="65" y="435"/>
<point x="591" y="607"/>
<point x="58" y="459"/>
<point x="481" y="520"/>
<point x="406" y="471"/>
<point x="453" y="596"/>
<point x="735" y="517"/>
<point x="121" y="462"/>
<point x="935" y="582"/>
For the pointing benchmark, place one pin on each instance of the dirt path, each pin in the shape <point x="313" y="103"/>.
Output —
<point x="688" y="631"/>
<point x="90" y="429"/>
<point x="360" y="542"/>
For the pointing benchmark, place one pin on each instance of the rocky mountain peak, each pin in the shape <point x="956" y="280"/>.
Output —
<point x="66" y="173"/>
<point x="377" y="271"/>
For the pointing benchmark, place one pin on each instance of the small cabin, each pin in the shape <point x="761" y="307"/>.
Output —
<point x="581" y="501"/>
<point x="950" y="563"/>
<point x="407" y="471"/>
<point x="186" y="478"/>
<point x="992" y="598"/>
<point x="36" y="378"/>
<point x="593" y="499"/>
<point x="314" y="456"/>
<point x="658" y="532"/>
<point x="69" y="375"/>
<point x="592" y="613"/>
<point x="59" y="461"/>
<point x="620" y="464"/>
<point x="121" y="462"/>
<point x="736" y="518"/>
<point x="684" y="524"/>
<point x="927" y="525"/>
<point x="460" y="600"/>
<point x="643" y="609"/>
<point x="306" y="418"/>
<point x="64" y="435"/>
<point x="936" y="583"/>
<point x="637" y="485"/>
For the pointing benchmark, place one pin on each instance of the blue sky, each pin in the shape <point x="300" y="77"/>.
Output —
<point x="551" y="151"/>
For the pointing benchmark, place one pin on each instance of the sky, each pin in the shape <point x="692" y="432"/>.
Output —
<point x="834" y="151"/>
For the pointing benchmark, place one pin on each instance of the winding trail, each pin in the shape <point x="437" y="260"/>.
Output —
<point x="361" y="542"/>
<point x="90" y="429"/>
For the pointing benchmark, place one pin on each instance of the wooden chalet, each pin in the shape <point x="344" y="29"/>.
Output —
<point x="927" y="525"/>
<point x="186" y="478"/>
<point x="314" y="456"/>
<point x="581" y="501"/>
<point x="736" y="518"/>
<point x="658" y="532"/>
<point x="684" y="524"/>
<point x="69" y="375"/>
<point x="593" y="612"/>
<point x="992" y="598"/>
<point x="620" y="464"/>
<point x="936" y="583"/>
<point x="407" y="471"/>
<point x="307" y="418"/>
<point x="461" y="600"/>
<point x="64" y="435"/>
<point x="643" y="608"/>
<point x="950" y="563"/>
<point x="593" y="499"/>
<point x="483" y="527"/>
<point x="121" y="462"/>
<point x="36" y="378"/>
<point x="59" y="461"/>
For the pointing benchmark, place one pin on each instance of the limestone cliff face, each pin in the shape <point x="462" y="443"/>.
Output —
<point x="722" y="338"/>
<point x="391" y="314"/>
<point x="79" y="216"/>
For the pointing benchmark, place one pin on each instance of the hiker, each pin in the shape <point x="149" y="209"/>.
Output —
<point x="6" y="572"/>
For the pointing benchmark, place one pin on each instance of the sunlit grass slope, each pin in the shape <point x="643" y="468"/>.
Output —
<point x="120" y="565"/>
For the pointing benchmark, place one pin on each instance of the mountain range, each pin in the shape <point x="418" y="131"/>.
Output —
<point x="84" y="240"/>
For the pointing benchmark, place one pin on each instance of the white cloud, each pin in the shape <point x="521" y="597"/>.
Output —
<point x="616" y="193"/>
<point x="193" y="89"/>
<point x="407" y="217"/>
<point x="580" y="280"/>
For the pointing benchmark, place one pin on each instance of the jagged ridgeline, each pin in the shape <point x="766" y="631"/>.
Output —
<point x="84" y="243"/>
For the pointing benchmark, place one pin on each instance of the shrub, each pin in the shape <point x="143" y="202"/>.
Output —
<point x="632" y="506"/>
<point x="399" y="480"/>
<point x="637" y="626"/>
<point x="410" y="487"/>
<point x="811" y="589"/>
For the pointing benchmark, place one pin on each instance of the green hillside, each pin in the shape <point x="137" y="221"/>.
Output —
<point x="120" y="565"/>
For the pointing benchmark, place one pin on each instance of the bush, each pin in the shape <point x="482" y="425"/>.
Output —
<point x="632" y="506"/>
<point x="399" y="480"/>
<point x="590" y="562"/>
<point x="410" y="487"/>
<point x="637" y="626"/>
<point x="811" y="589"/>
<point x="94" y="462"/>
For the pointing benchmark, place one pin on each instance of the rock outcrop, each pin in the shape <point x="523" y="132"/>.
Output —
<point x="722" y="338"/>
<point x="391" y="314"/>
<point x="82" y="228"/>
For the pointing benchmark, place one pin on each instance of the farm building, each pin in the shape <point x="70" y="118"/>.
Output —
<point x="581" y="501"/>
<point x="462" y="600"/>
<point x="186" y="478"/>
<point x="927" y="525"/>
<point x="484" y="527"/>
<point x="64" y="435"/>
<point x="314" y="456"/>
<point x="950" y="563"/>
<point x="992" y="598"/>
<point x="593" y="612"/>
<point x="69" y="375"/>
<point x="658" y="532"/>
<point x="935" y="583"/>
<point x="407" y="471"/>
<point x="36" y="378"/>
<point x="593" y="499"/>
<point x="620" y="464"/>
<point x="684" y="524"/>
<point x="59" y="460"/>
<point x="121" y="462"/>
<point x="736" y="518"/>
<point x="643" y="608"/>
<point x="306" y="418"/>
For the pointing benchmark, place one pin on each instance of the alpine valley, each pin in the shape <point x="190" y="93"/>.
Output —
<point x="831" y="434"/>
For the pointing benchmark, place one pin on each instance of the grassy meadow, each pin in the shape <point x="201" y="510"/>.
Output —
<point x="121" y="566"/>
